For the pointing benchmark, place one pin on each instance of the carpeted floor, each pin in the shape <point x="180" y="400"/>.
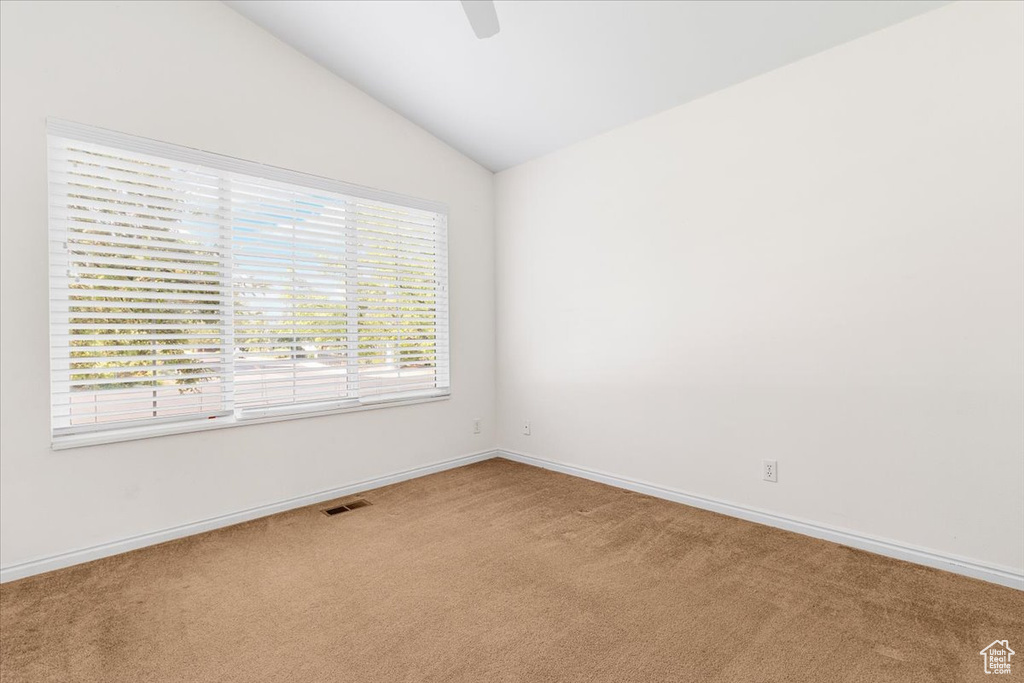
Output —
<point x="502" y="572"/>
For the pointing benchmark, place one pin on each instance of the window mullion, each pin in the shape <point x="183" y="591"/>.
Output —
<point x="224" y="195"/>
<point x="442" y="363"/>
<point x="351" y="256"/>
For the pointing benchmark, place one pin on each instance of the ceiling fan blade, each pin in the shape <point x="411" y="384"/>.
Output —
<point x="482" y="17"/>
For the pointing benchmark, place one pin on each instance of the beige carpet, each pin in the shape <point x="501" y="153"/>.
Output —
<point x="502" y="572"/>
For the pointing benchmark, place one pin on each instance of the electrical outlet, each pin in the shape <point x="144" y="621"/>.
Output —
<point x="770" y="470"/>
<point x="476" y="425"/>
<point x="526" y="427"/>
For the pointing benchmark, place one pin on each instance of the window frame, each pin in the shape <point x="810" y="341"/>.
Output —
<point x="63" y="437"/>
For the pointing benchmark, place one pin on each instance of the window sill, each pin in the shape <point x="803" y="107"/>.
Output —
<point x="60" y="443"/>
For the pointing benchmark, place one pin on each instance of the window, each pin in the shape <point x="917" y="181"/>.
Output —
<point x="191" y="290"/>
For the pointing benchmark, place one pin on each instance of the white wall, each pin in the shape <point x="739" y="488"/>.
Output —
<point x="822" y="265"/>
<point x="198" y="74"/>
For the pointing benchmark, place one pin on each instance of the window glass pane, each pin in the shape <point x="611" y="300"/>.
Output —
<point x="140" y="281"/>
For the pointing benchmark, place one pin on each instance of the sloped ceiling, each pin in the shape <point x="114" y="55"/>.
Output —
<point x="558" y="71"/>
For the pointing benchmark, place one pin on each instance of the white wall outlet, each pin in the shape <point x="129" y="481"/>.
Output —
<point x="476" y="425"/>
<point x="526" y="427"/>
<point x="770" y="470"/>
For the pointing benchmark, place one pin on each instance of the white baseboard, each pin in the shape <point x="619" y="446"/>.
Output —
<point x="46" y="564"/>
<point x="1004" y="576"/>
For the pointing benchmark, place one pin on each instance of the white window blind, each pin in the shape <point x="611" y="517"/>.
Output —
<point x="336" y="298"/>
<point x="187" y="286"/>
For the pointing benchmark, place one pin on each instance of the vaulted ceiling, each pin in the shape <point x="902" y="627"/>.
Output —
<point x="558" y="71"/>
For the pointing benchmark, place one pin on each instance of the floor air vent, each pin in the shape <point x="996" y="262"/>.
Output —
<point x="352" y="505"/>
